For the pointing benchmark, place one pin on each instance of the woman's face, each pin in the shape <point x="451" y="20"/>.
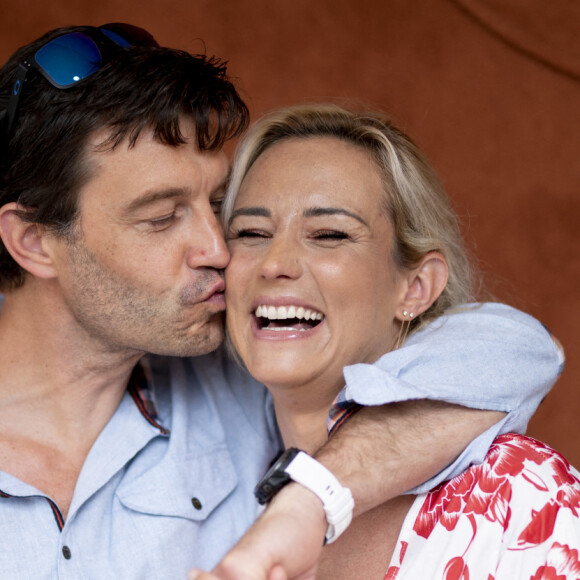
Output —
<point x="311" y="285"/>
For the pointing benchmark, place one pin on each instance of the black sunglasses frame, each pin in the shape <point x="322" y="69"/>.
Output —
<point x="105" y="43"/>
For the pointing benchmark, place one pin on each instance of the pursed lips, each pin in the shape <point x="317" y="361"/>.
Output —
<point x="217" y="289"/>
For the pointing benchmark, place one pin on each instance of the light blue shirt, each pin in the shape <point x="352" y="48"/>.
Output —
<point x="162" y="492"/>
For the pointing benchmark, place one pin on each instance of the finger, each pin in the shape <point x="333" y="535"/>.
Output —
<point x="277" y="573"/>
<point x="196" y="574"/>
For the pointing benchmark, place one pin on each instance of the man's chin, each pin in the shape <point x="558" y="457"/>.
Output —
<point x="203" y="341"/>
<point x="208" y="346"/>
<point x="195" y="340"/>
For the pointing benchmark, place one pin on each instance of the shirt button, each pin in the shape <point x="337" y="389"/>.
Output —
<point x="196" y="503"/>
<point x="66" y="552"/>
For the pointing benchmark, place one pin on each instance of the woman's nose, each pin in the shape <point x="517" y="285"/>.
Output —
<point x="282" y="260"/>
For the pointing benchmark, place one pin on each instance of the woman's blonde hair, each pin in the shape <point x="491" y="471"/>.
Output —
<point x="414" y="200"/>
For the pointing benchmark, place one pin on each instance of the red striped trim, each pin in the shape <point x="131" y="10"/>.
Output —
<point x="138" y="388"/>
<point x="56" y="512"/>
<point x="134" y="392"/>
<point x="57" y="515"/>
<point x="347" y="414"/>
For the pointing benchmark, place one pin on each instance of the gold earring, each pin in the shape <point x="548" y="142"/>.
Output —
<point x="404" y="330"/>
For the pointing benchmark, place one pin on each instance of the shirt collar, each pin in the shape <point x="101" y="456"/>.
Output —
<point x="140" y="389"/>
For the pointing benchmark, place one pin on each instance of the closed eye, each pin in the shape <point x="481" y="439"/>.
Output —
<point x="236" y="234"/>
<point x="162" y="222"/>
<point x="330" y="235"/>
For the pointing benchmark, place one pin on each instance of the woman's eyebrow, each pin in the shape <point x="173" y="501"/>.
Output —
<point x="250" y="211"/>
<point x="321" y="211"/>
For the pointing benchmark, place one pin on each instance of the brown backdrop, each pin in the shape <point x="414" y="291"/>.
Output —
<point x="489" y="88"/>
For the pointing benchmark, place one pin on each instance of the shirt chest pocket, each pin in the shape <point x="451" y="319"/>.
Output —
<point x="188" y="488"/>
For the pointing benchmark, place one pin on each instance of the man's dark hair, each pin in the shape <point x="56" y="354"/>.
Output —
<point x="141" y="87"/>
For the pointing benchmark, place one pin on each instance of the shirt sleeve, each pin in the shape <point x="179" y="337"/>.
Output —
<point x="484" y="356"/>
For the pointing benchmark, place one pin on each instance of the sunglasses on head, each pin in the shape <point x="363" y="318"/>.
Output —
<point x="68" y="59"/>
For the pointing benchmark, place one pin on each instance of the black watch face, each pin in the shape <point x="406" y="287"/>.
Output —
<point x="276" y="477"/>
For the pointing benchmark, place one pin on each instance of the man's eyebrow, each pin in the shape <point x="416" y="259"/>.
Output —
<point x="152" y="197"/>
<point x="250" y="211"/>
<point x="156" y="195"/>
<point x="322" y="211"/>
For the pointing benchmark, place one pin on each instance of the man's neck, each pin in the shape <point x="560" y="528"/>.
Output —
<point x="57" y="392"/>
<point x="46" y="356"/>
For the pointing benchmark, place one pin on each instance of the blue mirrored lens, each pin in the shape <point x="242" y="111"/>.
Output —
<point x="116" y="38"/>
<point x="69" y="59"/>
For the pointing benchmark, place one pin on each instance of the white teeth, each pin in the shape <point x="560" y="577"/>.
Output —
<point x="285" y="312"/>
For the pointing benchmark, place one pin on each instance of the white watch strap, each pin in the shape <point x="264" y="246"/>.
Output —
<point x="336" y="499"/>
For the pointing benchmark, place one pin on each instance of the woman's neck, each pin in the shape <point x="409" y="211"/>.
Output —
<point x="302" y="417"/>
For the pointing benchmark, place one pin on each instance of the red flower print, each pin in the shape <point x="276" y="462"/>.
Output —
<point x="456" y="569"/>
<point x="394" y="570"/>
<point x="404" y="546"/>
<point x="547" y="573"/>
<point x="541" y="526"/>
<point x="486" y="489"/>
<point x="561" y="564"/>
<point x="569" y="496"/>
<point x="477" y="491"/>
<point x="509" y="453"/>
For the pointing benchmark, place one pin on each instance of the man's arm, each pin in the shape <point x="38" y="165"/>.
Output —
<point x="490" y="357"/>
<point x="383" y="452"/>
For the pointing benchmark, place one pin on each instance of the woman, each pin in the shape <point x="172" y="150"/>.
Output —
<point x="343" y="243"/>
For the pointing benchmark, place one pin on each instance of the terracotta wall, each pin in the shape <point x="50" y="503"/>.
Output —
<point x="489" y="88"/>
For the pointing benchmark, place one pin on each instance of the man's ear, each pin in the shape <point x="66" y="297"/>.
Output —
<point x="25" y="241"/>
<point x="425" y="283"/>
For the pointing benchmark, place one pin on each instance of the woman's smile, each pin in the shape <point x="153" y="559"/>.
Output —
<point x="284" y="318"/>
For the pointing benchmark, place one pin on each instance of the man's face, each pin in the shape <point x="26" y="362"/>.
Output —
<point x="142" y="271"/>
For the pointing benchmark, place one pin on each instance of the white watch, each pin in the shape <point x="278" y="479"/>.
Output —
<point x="300" y="467"/>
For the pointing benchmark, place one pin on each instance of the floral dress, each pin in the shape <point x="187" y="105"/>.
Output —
<point x="515" y="516"/>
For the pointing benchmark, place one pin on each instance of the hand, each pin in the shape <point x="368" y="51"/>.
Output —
<point x="285" y="543"/>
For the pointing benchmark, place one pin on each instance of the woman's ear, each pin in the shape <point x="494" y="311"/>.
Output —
<point x="25" y="241"/>
<point x="425" y="283"/>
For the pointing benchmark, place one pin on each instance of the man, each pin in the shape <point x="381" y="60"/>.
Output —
<point x="114" y="465"/>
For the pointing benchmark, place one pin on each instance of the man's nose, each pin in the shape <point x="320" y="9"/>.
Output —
<point x="207" y="245"/>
